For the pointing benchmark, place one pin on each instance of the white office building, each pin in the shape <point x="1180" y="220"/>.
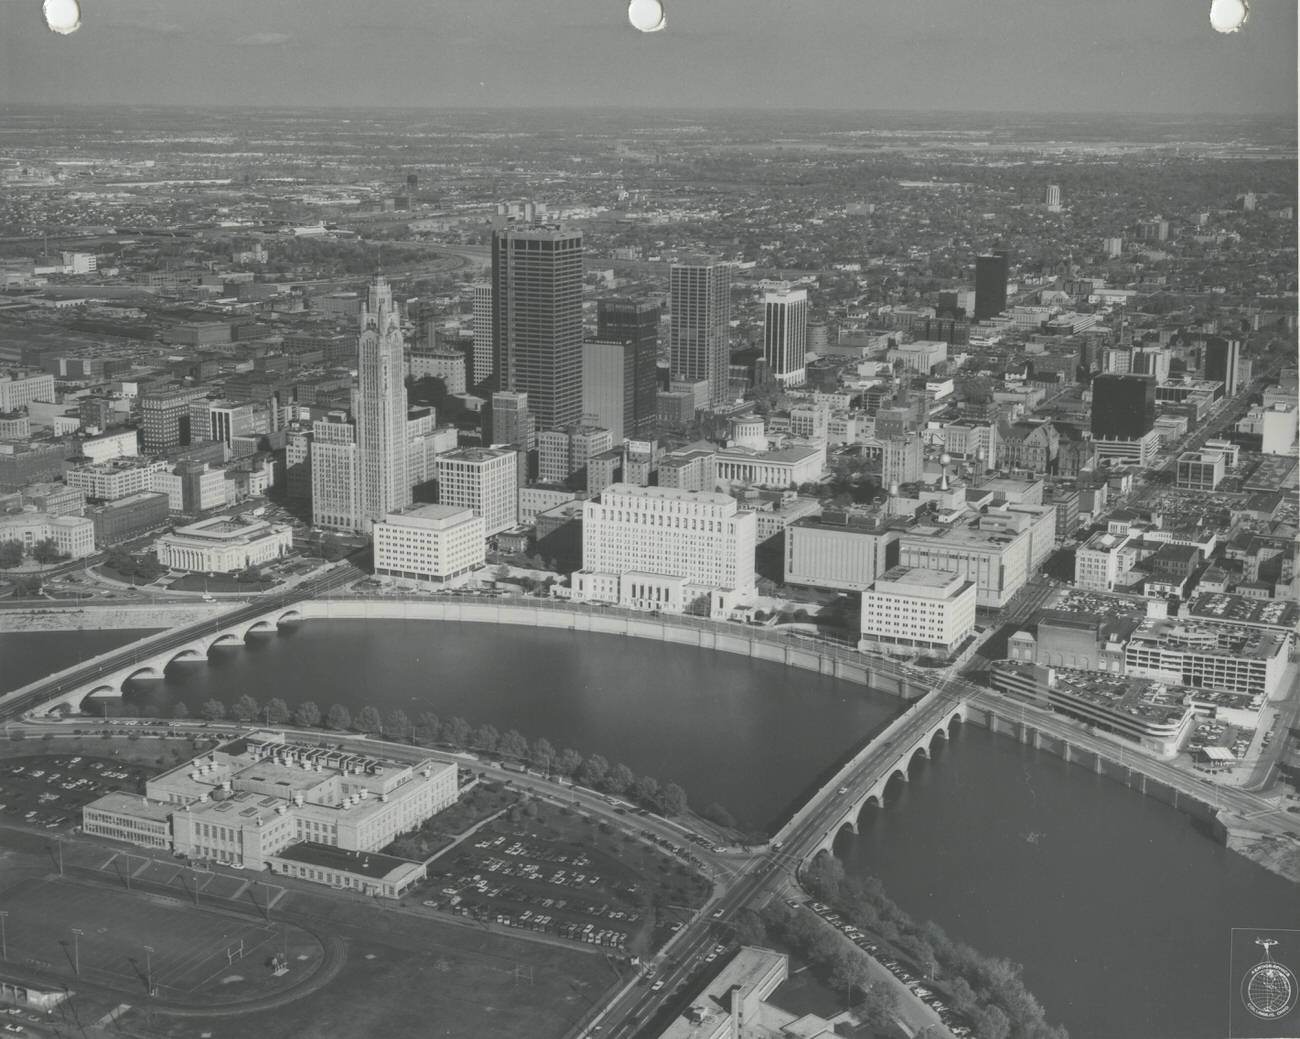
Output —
<point x="912" y="610"/>
<point x="483" y="480"/>
<point x="660" y="548"/>
<point x="435" y="543"/>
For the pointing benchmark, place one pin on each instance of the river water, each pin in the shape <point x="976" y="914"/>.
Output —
<point x="1119" y="910"/>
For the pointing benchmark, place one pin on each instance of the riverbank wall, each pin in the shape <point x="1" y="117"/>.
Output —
<point x="738" y="639"/>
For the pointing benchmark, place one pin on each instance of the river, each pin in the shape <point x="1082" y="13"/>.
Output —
<point x="1119" y="910"/>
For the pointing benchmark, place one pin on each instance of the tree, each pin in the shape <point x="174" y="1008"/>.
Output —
<point x="647" y="790"/>
<point x="714" y="812"/>
<point x="486" y="738"/>
<point x="245" y="708"/>
<point x="619" y="779"/>
<point x="213" y="710"/>
<point x="28" y="585"/>
<point x="277" y="711"/>
<point x="513" y="745"/>
<point x="332" y="549"/>
<point x="674" y="799"/>
<point x="749" y="927"/>
<point x="339" y="718"/>
<point x="307" y="714"/>
<point x="180" y="712"/>
<point x="991" y="1022"/>
<point x="848" y="970"/>
<point x="429" y="726"/>
<point x="397" y="724"/>
<point x="568" y="763"/>
<point x="11" y="554"/>
<point x="456" y="732"/>
<point x="368" y="720"/>
<point x="878" y="1006"/>
<point x="594" y="770"/>
<point x="542" y="754"/>
<point x="46" y="551"/>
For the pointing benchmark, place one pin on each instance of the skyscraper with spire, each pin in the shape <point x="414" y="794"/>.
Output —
<point x="379" y="408"/>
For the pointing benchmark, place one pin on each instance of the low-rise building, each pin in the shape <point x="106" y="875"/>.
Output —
<point x="128" y="517"/>
<point x="839" y="550"/>
<point x="434" y="543"/>
<point x="992" y="551"/>
<point x="263" y="801"/>
<point x="73" y="536"/>
<point x="913" y="610"/>
<point x="1153" y="715"/>
<point x="222" y="545"/>
<point x="1231" y="657"/>
<point x="1200" y="470"/>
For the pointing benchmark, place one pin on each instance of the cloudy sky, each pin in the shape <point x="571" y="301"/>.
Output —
<point x="999" y="55"/>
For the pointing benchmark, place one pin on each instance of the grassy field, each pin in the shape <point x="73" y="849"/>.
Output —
<point x="194" y="953"/>
<point x="412" y="976"/>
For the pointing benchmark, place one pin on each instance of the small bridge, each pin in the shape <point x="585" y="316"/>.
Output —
<point x="888" y="756"/>
<point x="146" y="665"/>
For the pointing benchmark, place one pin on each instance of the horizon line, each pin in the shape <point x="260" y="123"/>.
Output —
<point x="1201" y="115"/>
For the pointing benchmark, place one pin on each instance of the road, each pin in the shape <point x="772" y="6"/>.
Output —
<point x="14" y="704"/>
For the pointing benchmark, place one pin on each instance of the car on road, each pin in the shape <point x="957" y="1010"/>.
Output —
<point x="717" y="914"/>
<point x="657" y="985"/>
<point x="844" y="790"/>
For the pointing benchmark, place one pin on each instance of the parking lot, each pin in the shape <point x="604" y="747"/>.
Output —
<point x="561" y="874"/>
<point x="923" y="990"/>
<point x="49" y="789"/>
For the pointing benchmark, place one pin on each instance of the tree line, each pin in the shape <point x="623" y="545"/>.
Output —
<point x="457" y="734"/>
<point x="45" y="552"/>
<point x="987" y="989"/>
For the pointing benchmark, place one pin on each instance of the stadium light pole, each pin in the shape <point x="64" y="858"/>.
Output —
<point x="4" y="938"/>
<point x="148" y="967"/>
<point x="77" y="932"/>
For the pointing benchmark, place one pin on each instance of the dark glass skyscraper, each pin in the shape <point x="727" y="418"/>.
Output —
<point x="1221" y="357"/>
<point x="1123" y="406"/>
<point x="991" y="273"/>
<point x="537" y="320"/>
<point x="635" y="324"/>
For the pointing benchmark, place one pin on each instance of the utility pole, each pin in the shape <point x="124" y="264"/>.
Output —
<point x="4" y="938"/>
<point x="76" y="950"/>
<point x="148" y="967"/>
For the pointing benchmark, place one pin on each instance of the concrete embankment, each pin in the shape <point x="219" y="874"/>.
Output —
<point x="132" y="615"/>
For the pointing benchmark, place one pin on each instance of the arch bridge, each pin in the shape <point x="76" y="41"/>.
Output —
<point x="890" y="755"/>
<point x="151" y="666"/>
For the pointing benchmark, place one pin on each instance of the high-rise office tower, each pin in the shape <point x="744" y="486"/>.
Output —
<point x="1221" y="357"/>
<point x="537" y="319"/>
<point x="380" y="409"/>
<point x="902" y="459"/>
<point x="620" y="368"/>
<point x="1053" y="198"/>
<point x="482" y="360"/>
<point x="785" y="334"/>
<point x="510" y="422"/>
<point x="1123" y="406"/>
<point x="701" y="319"/>
<point x="991" y="272"/>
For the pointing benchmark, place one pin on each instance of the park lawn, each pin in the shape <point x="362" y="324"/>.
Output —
<point x="408" y="976"/>
<point x="219" y="583"/>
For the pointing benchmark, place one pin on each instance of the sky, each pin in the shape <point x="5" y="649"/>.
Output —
<point x="1130" y="56"/>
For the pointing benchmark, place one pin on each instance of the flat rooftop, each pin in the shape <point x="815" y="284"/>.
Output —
<point x="1195" y="636"/>
<point x="134" y="804"/>
<point x="1222" y="606"/>
<point x="371" y="864"/>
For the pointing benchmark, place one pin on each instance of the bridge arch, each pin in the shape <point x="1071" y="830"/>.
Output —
<point x="260" y="626"/>
<point x="226" y="638"/>
<point x="148" y="671"/>
<point x="190" y="654"/>
<point x="289" y="617"/>
<point x="958" y="718"/>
